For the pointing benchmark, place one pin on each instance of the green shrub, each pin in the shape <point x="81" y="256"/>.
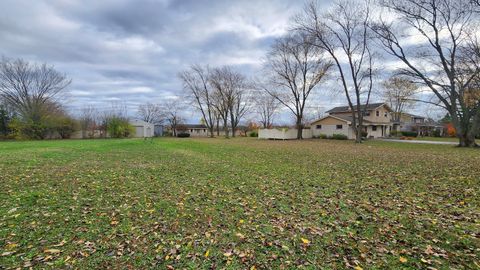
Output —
<point x="339" y="137"/>
<point x="63" y="125"/>
<point x="395" y="133"/>
<point x="323" y="136"/>
<point x="183" y="135"/>
<point x="409" y="133"/>
<point x="436" y="133"/>
<point x="253" y="134"/>
<point x="28" y="129"/>
<point x="364" y="134"/>
<point x="118" y="127"/>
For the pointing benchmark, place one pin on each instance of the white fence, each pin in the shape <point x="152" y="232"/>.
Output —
<point x="283" y="134"/>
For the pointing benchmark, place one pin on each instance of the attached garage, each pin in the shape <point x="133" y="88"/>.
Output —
<point x="330" y="125"/>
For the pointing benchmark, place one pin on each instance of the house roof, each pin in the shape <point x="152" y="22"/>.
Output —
<point x="348" y="120"/>
<point x="193" y="126"/>
<point x="137" y="122"/>
<point x="413" y="115"/>
<point x="370" y="107"/>
<point x="341" y="118"/>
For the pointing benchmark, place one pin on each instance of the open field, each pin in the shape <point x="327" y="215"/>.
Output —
<point x="238" y="204"/>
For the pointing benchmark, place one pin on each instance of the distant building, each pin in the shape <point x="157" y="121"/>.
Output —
<point x="142" y="129"/>
<point x="158" y="130"/>
<point x="194" y="130"/>
<point x="415" y="123"/>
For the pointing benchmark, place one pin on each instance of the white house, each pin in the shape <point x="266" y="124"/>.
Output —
<point x="142" y="129"/>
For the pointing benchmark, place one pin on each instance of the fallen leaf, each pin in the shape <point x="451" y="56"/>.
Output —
<point x="52" y="251"/>
<point x="11" y="246"/>
<point x="403" y="259"/>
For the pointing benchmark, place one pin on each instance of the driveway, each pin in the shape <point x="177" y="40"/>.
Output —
<point x="417" y="141"/>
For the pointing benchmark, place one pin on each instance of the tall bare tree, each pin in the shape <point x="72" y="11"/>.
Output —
<point x="230" y="96"/>
<point x="295" y="68"/>
<point x="444" y="30"/>
<point x="173" y="114"/>
<point x="150" y="112"/>
<point x="266" y="106"/>
<point x="196" y="81"/>
<point x="343" y="33"/>
<point x="31" y="90"/>
<point x="398" y="93"/>
<point x="88" y="121"/>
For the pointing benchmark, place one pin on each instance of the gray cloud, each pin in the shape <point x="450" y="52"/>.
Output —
<point x="131" y="51"/>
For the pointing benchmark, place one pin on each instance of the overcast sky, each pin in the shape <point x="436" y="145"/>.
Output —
<point x="131" y="51"/>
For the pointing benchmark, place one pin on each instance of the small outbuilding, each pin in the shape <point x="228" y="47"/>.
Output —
<point x="142" y="129"/>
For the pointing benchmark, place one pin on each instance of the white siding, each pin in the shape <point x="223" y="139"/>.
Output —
<point x="139" y="131"/>
<point x="329" y="130"/>
<point x="283" y="134"/>
<point x="142" y="129"/>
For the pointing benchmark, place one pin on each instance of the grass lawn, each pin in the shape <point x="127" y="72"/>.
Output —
<point x="238" y="204"/>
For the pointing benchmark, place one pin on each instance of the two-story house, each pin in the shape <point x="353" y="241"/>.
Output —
<point x="415" y="123"/>
<point x="376" y="121"/>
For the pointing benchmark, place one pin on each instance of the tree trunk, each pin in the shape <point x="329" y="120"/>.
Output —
<point x="464" y="134"/>
<point x="466" y="140"/>
<point x="212" y="130"/>
<point x="299" y="127"/>
<point x="225" y="127"/>
<point x="232" y="122"/>
<point x="358" y="135"/>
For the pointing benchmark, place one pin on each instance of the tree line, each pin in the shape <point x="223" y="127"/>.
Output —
<point x="435" y="44"/>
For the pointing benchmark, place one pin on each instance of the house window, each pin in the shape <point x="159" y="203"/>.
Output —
<point x="339" y="126"/>
<point x="367" y="113"/>
<point x="319" y="126"/>
<point x="191" y="130"/>
<point x="378" y="113"/>
<point x="385" y="114"/>
<point x="374" y="128"/>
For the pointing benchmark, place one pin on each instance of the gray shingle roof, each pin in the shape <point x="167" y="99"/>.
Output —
<point x="192" y="126"/>
<point x="370" y="107"/>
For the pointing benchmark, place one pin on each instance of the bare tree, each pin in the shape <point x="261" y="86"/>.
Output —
<point x="31" y="90"/>
<point x="240" y="102"/>
<point x="88" y="121"/>
<point x="295" y="67"/>
<point x="196" y="83"/>
<point x="150" y="112"/>
<point x="266" y="106"/>
<point x="6" y="116"/>
<point x="445" y="30"/>
<point x="173" y="114"/>
<point x="398" y="93"/>
<point x="344" y="34"/>
<point x="230" y="96"/>
<point x="218" y="117"/>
